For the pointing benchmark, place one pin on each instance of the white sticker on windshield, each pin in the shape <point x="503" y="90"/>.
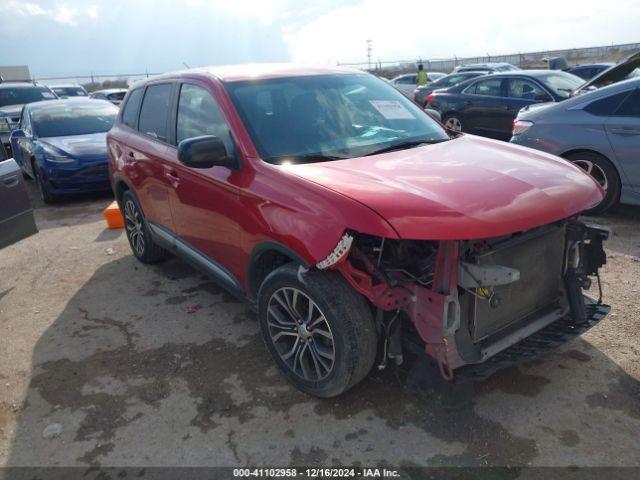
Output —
<point x="48" y="95"/>
<point x="392" y="109"/>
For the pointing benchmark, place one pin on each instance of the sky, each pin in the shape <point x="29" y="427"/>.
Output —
<point x="80" y="37"/>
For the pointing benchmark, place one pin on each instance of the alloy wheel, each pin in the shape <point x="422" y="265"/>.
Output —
<point x="301" y="334"/>
<point x="134" y="226"/>
<point x="453" y="123"/>
<point x="594" y="171"/>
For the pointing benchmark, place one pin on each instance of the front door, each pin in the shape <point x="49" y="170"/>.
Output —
<point x="207" y="200"/>
<point x="22" y="146"/>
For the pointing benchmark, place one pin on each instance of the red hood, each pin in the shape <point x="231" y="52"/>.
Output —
<point x="466" y="188"/>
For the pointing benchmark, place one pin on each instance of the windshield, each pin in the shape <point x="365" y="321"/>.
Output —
<point x="562" y="83"/>
<point x="80" y="119"/>
<point x="70" y="92"/>
<point x="326" y="117"/>
<point x="22" y="95"/>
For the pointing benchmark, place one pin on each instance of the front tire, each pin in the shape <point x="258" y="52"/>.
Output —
<point x="604" y="173"/>
<point x="138" y="233"/>
<point x="46" y="196"/>
<point x="320" y="331"/>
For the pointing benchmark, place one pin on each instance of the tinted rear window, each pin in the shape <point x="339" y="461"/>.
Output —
<point x="631" y="106"/>
<point x="155" y="110"/>
<point x="606" y="106"/>
<point x="130" y="111"/>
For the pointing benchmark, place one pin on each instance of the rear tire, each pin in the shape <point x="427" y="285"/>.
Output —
<point x="604" y="173"/>
<point x="320" y="331"/>
<point x="138" y="233"/>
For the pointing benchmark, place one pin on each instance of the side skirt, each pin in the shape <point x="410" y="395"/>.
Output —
<point x="219" y="274"/>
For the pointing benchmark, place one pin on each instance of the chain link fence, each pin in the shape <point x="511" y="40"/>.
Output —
<point x="573" y="56"/>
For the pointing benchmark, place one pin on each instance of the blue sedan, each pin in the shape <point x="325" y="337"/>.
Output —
<point x="62" y="145"/>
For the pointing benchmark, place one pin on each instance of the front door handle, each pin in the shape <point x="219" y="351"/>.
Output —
<point x="11" y="181"/>
<point x="172" y="175"/>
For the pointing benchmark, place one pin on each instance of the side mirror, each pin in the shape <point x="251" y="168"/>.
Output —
<point x="434" y="114"/>
<point x="17" y="133"/>
<point x="204" y="152"/>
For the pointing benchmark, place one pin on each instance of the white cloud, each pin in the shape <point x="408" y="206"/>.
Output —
<point x="265" y="10"/>
<point x="407" y="29"/>
<point x="61" y="13"/>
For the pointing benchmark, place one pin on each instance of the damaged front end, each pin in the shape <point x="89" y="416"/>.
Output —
<point x="479" y="305"/>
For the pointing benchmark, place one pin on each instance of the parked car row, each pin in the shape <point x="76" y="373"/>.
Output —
<point x="351" y="219"/>
<point x="594" y="126"/>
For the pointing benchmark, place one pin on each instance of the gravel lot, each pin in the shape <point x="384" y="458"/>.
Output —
<point x="102" y="365"/>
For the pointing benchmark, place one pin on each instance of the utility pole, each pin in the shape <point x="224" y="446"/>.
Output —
<point x="369" y="52"/>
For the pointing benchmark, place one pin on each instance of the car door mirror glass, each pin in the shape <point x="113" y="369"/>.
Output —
<point x="204" y="152"/>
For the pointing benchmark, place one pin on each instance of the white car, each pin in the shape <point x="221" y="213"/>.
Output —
<point x="407" y="83"/>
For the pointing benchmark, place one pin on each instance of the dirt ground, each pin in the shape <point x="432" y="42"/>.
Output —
<point x="103" y="365"/>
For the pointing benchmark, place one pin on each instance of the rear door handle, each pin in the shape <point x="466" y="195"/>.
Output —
<point x="625" y="131"/>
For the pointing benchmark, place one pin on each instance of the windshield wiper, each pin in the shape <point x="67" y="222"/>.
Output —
<point x="406" y="145"/>
<point x="296" y="159"/>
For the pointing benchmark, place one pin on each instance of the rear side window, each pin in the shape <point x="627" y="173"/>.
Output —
<point x="491" y="87"/>
<point x="631" y="106"/>
<point x="199" y="114"/>
<point x="606" y="106"/>
<point x="130" y="110"/>
<point x="155" y="111"/>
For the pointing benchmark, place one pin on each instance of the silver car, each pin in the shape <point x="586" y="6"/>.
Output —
<point x="598" y="131"/>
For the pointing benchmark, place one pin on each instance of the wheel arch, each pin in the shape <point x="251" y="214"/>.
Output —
<point x="265" y="258"/>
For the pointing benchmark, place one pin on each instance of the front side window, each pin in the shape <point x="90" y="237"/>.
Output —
<point x="155" y="111"/>
<point x="526" y="90"/>
<point x="130" y="110"/>
<point x="328" y="117"/>
<point x="199" y="114"/>
<point x="491" y="87"/>
<point x="23" y="95"/>
<point x="73" y="118"/>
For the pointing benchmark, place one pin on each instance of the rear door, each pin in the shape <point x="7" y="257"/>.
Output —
<point x="484" y="108"/>
<point x="16" y="214"/>
<point x="623" y="131"/>
<point x="147" y="151"/>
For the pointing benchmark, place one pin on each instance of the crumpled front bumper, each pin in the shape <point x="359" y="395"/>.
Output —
<point x="552" y="336"/>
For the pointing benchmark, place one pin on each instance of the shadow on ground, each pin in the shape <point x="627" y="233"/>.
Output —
<point x="130" y="377"/>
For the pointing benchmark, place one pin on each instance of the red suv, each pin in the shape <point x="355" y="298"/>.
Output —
<point x="350" y="218"/>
